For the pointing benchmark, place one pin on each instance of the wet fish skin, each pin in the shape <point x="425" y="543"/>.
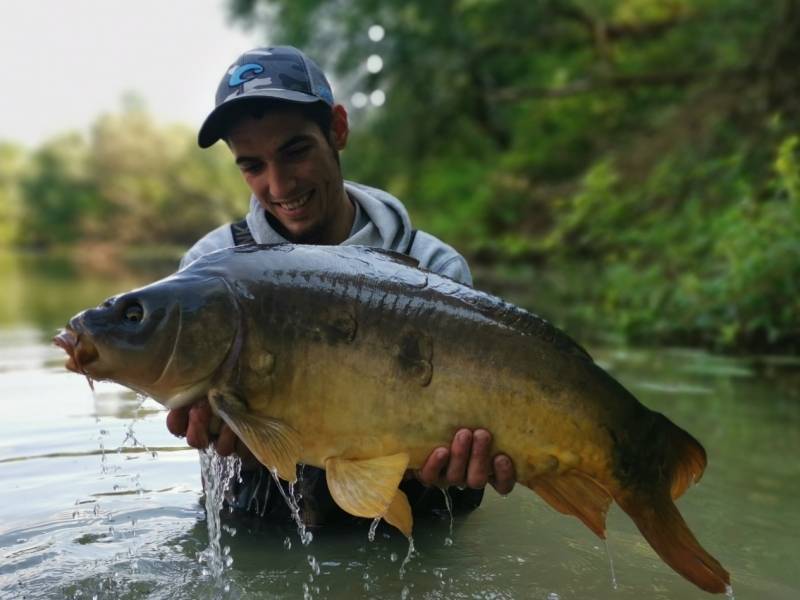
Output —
<point x="356" y="361"/>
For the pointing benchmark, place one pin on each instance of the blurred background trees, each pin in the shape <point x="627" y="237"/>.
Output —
<point x="644" y="155"/>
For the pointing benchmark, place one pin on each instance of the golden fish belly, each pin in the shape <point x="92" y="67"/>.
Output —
<point x="354" y="402"/>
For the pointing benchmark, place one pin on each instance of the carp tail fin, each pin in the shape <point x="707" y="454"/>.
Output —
<point x="575" y="493"/>
<point x="664" y="528"/>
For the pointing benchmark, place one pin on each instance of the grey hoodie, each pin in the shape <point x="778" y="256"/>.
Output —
<point x="381" y="222"/>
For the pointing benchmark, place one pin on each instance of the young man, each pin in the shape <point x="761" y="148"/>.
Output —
<point x="275" y="110"/>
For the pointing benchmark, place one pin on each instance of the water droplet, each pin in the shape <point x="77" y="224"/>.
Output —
<point x="372" y="528"/>
<point x="553" y="596"/>
<point x="448" y="541"/>
<point x="312" y="562"/>
<point x="393" y="557"/>
<point x="287" y="543"/>
<point x="729" y="592"/>
<point x="405" y="593"/>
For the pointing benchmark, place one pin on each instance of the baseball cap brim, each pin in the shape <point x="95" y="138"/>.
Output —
<point x="213" y="127"/>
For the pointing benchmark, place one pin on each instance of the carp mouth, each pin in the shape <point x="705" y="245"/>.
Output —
<point x="81" y="352"/>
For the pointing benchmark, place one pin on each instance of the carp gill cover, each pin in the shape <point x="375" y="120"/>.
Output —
<point x="356" y="361"/>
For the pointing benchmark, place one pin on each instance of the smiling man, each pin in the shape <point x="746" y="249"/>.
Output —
<point x="276" y="112"/>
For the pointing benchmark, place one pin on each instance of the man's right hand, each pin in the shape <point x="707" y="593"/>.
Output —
<point x="194" y="423"/>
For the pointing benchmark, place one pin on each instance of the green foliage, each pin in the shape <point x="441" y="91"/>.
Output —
<point x="12" y="167"/>
<point x="654" y="143"/>
<point x="132" y="183"/>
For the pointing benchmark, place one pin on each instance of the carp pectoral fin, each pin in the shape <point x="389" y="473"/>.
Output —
<point x="399" y="513"/>
<point x="273" y="442"/>
<point x="369" y="488"/>
<point x="574" y="493"/>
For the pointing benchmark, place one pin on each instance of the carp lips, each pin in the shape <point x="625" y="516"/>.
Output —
<point x="80" y="350"/>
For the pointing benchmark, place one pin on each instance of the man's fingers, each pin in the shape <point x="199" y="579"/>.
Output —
<point x="178" y="421"/>
<point x="479" y="460"/>
<point x="431" y="471"/>
<point x="504" y="474"/>
<point x="225" y="444"/>
<point x="459" y="457"/>
<point x="199" y="420"/>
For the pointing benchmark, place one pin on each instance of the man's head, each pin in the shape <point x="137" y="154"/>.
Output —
<point x="279" y="73"/>
<point x="276" y="112"/>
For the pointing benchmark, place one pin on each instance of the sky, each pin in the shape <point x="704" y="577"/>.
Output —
<point x="64" y="62"/>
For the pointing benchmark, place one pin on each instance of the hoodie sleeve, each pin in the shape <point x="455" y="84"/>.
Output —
<point x="219" y="238"/>
<point x="434" y="255"/>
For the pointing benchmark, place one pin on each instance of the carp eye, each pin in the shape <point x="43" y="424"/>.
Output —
<point x="134" y="313"/>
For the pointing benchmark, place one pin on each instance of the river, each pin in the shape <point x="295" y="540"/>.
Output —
<point x="99" y="501"/>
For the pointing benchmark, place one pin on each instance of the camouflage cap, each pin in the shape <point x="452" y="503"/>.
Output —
<point x="277" y="72"/>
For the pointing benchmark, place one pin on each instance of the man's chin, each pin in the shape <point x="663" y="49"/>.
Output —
<point x="298" y="233"/>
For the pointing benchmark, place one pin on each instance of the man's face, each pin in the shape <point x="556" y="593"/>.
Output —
<point x="293" y="171"/>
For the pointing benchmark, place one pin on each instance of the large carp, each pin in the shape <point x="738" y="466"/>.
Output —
<point x="356" y="361"/>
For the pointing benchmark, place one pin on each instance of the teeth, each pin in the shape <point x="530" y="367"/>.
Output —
<point x="297" y="203"/>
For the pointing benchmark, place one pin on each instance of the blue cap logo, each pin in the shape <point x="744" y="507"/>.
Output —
<point x="237" y="75"/>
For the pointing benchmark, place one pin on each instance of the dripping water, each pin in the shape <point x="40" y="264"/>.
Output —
<point x="218" y="473"/>
<point x="611" y="566"/>
<point x="448" y="502"/>
<point x="305" y="535"/>
<point x="372" y="528"/>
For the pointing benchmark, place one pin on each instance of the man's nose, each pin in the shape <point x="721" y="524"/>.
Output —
<point x="281" y="181"/>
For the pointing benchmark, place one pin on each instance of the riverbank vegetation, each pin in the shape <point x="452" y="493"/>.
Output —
<point x="652" y="147"/>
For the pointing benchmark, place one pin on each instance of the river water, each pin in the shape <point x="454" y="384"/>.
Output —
<point x="97" y="500"/>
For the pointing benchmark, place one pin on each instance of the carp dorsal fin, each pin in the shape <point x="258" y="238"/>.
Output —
<point x="273" y="442"/>
<point x="368" y="488"/>
<point x="574" y="493"/>
<point x="394" y="256"/>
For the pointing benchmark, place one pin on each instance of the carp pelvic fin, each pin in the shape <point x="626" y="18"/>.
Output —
<point x="273" y="442"/>
<point x="399" y="513"/>
<point x="574" y="493"/>
<point x="369" y="488"/>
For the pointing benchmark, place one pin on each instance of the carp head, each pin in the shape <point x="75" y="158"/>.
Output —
<point x="168" y="340"/>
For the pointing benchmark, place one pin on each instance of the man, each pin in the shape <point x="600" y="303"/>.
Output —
<point x="276" y="112"/>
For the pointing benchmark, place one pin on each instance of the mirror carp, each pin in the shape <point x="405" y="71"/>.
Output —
<point x="355" y="360"/>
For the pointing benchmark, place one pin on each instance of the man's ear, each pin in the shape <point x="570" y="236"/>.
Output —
<point x="340" y="128"/>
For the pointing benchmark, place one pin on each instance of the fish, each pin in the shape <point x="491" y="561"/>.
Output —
<point x="358" y="361"/>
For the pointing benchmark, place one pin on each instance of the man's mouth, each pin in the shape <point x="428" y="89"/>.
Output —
<point x="296" y="203"/>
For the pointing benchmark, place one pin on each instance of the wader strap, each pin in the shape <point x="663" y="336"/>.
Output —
<point x="241" y="233"/>
<point x="411" y="242"/>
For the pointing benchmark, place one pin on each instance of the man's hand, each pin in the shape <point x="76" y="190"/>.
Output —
<point x="467" y="462"/>
<point x="195" y="421"/>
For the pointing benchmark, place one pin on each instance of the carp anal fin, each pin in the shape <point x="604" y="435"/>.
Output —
<point x="273" y="442"/>
<point x="685" y="460"/>
<point x="574" y="493"/>
<point x="369" y="488"/>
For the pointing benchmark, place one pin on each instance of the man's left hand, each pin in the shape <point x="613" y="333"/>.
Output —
<point x="467" y="462"/>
